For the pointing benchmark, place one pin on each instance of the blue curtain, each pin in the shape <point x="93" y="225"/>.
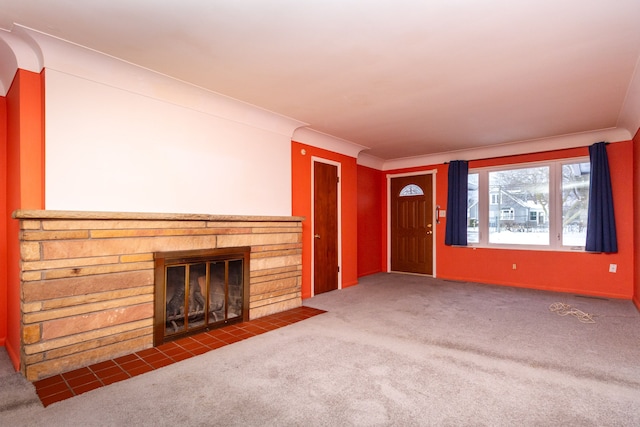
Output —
<point x="601" y="225"/>
<point x="456" y="229"/>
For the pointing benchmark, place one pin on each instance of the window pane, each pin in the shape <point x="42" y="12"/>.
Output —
<point x="411" y="190"/>
<point x="519" y="196"/>
<point x="575" y="202"/>
<point x="473" y="235"/>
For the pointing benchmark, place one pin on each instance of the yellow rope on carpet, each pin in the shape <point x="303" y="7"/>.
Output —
<point x="563" y="309"/>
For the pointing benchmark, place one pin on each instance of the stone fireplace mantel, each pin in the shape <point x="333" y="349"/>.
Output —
<point x="87" y="278"/>
<point x="148" y="216"/>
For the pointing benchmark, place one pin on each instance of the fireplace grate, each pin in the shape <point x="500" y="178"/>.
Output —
<point x="199" y="290"/>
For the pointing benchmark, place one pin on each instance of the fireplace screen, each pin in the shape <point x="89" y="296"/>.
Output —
<point x="200" y="290"/>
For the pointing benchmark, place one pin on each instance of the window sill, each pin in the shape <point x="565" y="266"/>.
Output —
<point x="573" y="249"/>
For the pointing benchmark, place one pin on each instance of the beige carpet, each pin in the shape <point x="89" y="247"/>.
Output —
<point x="395" y="350"/>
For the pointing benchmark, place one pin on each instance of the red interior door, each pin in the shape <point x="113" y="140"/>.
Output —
<point x="325" y="227"/>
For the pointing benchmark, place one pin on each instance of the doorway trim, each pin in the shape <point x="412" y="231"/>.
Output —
<point x="432" y="172"/>
<point x="315" y="159"/>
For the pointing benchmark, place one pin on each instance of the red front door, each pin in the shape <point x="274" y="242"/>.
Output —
<point x="412" y="224"/>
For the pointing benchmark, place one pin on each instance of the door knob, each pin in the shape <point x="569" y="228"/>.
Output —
<point x="429" y="232"/>
<point x="317" y="236"/>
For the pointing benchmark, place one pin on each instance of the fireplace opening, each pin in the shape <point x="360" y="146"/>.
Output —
<point x="200" y="290"/>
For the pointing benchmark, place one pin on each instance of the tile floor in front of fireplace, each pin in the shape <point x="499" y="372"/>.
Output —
<point x="73" y="383"/>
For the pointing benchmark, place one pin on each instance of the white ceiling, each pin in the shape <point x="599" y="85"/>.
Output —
<point x="404" y="78"/>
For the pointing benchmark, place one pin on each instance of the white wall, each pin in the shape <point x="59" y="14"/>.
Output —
<point x="123" y="138"/>
<point x="108" y="149"/>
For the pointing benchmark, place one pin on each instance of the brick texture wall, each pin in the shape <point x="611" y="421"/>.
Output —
<point x="87" y="278"/>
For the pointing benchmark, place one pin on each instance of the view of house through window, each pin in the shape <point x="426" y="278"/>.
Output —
<point x="537" y="205"/>
<point x="473" y="218"/>
<point x="575" y="203"/>
<point x="520" y="192"/>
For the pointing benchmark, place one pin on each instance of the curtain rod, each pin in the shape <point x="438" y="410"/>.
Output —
<point x="537" y="152"/>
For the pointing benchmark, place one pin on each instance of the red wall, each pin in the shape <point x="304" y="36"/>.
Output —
<point x="582" y="273"/>
<point x="3" y="220"/>
<point x="371" y="193"/>
<point x="636" y="216"/>
<point x="24" y="185"/>
<point x="301" y="206"/>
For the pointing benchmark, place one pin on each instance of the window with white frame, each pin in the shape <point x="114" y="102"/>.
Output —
<point x="538" y="206"/>
<point x="507" y="214"/>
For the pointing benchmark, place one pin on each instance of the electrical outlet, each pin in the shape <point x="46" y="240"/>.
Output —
<point x="613" y="268"/>
<point x="514" y="266"/>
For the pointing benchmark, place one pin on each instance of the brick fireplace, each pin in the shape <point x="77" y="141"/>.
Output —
<point x="88" y="283"/>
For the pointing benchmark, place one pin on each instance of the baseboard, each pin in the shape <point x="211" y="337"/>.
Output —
<point x="346" y="285"/>
<point x="544" y="288"/>
<point x="369" y="273"/>
<point x="13" y="355"/>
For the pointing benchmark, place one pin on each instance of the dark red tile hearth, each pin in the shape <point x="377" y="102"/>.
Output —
<point x="156" y="364"/>
<point x="181" y="356"/>
<point x="115" y="378"/>
<point x="85" y="387"/>
<point x="53" y="398"/>
<point x="64" y="386"/>
<point x="177" y="350"/>
<point x="108" y="372"/>
<point x="127" y="358"/>
<point x="148" y="352"/>
<point x="80" y="380"/>
<point x="52" y="389"/>
<point x="51" y="381"/>
<point x="107" y="364"/>
<point x="139" y="370"/>
<point x="134" y="364"/>
<point x="77" y="373"/>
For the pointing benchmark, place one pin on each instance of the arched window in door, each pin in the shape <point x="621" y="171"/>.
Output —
<point x="411" y="190"/>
